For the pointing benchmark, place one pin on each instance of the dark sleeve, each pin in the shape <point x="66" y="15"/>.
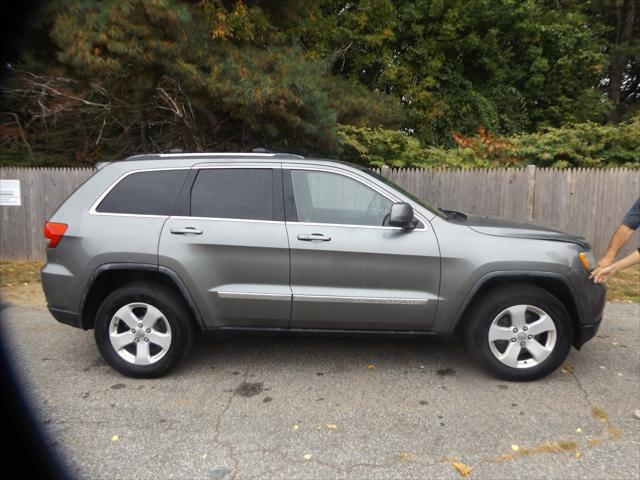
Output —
<point x="632" y="218"/>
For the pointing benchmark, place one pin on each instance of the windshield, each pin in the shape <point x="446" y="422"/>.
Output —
<point x="385" y="180"/>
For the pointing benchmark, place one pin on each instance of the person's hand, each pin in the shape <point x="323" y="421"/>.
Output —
<point x="603" y="263"/>
<point x="601" y="274"/>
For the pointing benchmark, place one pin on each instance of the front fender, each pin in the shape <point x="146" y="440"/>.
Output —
<point x="510" y="276"/>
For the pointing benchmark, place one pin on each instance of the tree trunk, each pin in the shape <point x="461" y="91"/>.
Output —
<point x="625" y="18"/>
<point x="143" y="135"/>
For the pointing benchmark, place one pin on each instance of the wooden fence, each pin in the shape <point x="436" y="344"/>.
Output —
<point x="589" y="202"/>
<point x="586" y="201"/>
<point x="42" y="191"/>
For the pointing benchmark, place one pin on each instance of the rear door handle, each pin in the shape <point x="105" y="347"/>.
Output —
<point x="310" y="237"/>
<point x="186" y="231"/>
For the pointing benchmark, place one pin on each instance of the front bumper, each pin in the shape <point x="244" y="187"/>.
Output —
<point x="585" y="332"/>
<point x="590" y="301"/>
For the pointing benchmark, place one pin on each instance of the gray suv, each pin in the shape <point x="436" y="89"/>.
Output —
<point x="155" y="247"/>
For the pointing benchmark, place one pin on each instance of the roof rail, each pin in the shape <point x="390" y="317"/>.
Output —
<point x="159" y="156"/>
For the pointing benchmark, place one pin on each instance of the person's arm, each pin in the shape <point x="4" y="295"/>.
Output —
<point x="604" y="272"/>
<point x="619" y="240"/>
<point x="630" y="223"/>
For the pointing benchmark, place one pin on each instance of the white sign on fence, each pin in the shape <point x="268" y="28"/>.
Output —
<point x="10" y="192"/>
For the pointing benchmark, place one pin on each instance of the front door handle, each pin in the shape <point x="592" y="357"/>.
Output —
<point x="186" y="231"/>
<point x="310" y="237"/>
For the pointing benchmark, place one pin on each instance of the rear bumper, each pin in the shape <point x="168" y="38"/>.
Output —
<point x="65" y="316"/>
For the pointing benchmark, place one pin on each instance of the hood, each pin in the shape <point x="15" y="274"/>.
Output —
<point x="508" y="228"/>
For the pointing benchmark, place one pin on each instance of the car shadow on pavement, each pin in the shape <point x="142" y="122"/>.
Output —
<point x="330" y="354"/>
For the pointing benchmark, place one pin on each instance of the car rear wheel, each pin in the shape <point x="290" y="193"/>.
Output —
<point x="519" y="333"/>
<point x="143" y="330"/>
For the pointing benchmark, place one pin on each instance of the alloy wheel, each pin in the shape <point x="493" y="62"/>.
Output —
<point x="522" y="336"/>
<point x="140" y="333"/>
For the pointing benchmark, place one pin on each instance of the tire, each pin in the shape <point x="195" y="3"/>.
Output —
<point x="165" y="338"/>
<point x="537" y="315"/>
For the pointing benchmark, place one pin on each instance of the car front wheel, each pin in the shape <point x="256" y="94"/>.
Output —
<point x="519" y="333"/>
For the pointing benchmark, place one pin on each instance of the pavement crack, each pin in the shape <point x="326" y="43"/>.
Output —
<point x="228" y="446"/>
<point x="582" y="389"/>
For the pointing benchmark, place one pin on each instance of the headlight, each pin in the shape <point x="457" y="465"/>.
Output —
<point x="588" y="260"/>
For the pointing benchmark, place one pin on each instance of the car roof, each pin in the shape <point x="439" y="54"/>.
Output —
<point x="192" y="159"/>
<point x="212" y="155"/>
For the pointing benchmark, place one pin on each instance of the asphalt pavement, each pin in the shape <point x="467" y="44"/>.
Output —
<point x="321" y="408"/>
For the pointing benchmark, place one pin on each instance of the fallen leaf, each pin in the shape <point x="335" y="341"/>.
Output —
<point x="549" y="447"/>
<point x="296" y="427"/>
<point x="614" y="432"/>
<point x="405" y="456"/>
<point x="600" y="414"/>
<point x="505" y="457"/>
<point x="566" y="368"/>
<point x="371" y="366"/>
<point x="515" y="448"/>
<point x="115" y="438"/>
<point x="331" y="426"/>
<point x="307" y="456"/>
<point x="594" y="442"/>
<point x="463" y="469"/>
<point x="578" y="455"/>
<point x="566" y="445"/>
<point x="578" y="430"/>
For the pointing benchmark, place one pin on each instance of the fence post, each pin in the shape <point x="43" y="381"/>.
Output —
<point x="531" y="190"/>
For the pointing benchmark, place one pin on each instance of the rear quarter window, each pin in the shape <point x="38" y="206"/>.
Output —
<point x="144" y="193"/>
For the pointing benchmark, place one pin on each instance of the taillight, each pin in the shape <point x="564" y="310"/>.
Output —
<point x="54" y="233"/>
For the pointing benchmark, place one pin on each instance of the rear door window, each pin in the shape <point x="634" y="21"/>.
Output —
<point x="144" y="193"/>
<point x="238" y="193"/>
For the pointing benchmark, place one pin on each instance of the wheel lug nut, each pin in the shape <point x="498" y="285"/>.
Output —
<point x="530" y="337"/>
<point x="139" y="325"/>
<point x="133" y="330"/>
<point x="515" y="330"/>
<point x="148" y="330"/>
<point x="525" y="328"/>
<point x="513" y="339"/>
<point x="146" y="339"/>
<point x="522" y="344"/>
<point x="137" y="340"/>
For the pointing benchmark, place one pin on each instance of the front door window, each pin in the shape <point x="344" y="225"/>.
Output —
<point x="324" y="197"/>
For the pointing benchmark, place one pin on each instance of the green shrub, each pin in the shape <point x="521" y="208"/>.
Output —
<point x="22" y="158"/>
<point x="580" y="145"/>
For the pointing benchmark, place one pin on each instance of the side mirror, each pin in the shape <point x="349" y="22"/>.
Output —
<point x="401" y="215"/>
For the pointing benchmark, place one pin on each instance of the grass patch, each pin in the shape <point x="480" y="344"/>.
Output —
<point x="16" y="273"/>
<point x="625" y="286"/>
